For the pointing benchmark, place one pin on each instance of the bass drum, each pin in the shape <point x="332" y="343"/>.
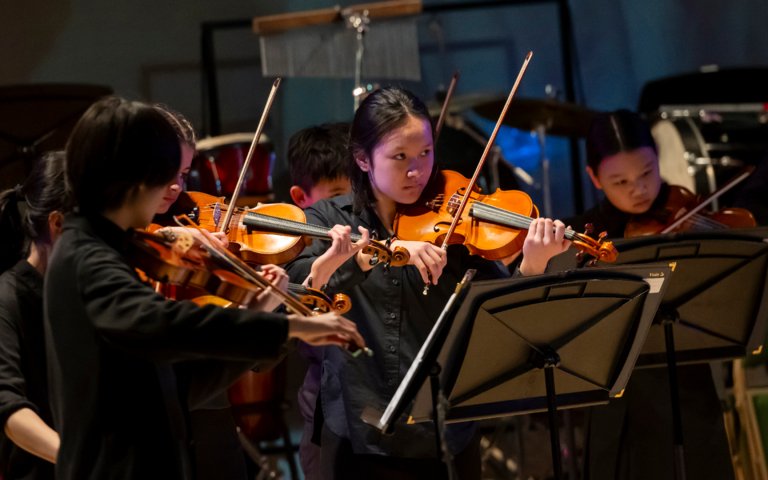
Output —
<point x="702" y="148"/>
<point x="219" y="160"/>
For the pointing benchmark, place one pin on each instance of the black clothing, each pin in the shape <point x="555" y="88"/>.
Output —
<point x="752" y="193"/>
<point x="631" y="437"/>
<point x="112" y="343"/>
<point x="394" y="318"/>
<point x="23" y="377"/>
<point x="339" y="462"/>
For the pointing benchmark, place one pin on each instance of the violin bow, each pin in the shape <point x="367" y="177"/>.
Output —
<point x="714" y="196"/>
<point x="478" y="169"/>
<point x="444" y="109"/>
<point x="233" y="201"/>
<point x="250" y="274"/>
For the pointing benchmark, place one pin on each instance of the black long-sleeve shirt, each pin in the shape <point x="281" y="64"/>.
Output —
<point x="394" y="318"/>
<point x="112" y="343"/>
<point x="23" y="380"/>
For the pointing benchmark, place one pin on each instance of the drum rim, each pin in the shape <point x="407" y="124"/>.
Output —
<point x="210" y="143"/>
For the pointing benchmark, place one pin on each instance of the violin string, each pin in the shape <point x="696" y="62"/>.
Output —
<point x="292" y="227"/>
<point x="246" y="271"/>
<point x="282" y="225"/>
<point x="707" y="223"/>
<point x="505" y="217"/>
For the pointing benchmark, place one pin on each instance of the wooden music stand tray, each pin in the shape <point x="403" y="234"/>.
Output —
<point x="271" y="24"/>
<point x="311" y="44"/>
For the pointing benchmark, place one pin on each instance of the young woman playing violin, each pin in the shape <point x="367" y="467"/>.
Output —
<point x="217" y="452"/>
<point x="631" y="437"/>
<point x="31" y="218"/>
<point x="112" y="341"/>
<point x="392" y="162"/>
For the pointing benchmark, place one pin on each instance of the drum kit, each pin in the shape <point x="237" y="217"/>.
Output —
<point x="220" y="159"/>
<point x="702" y="146"/>
<point x="543" y="117"/>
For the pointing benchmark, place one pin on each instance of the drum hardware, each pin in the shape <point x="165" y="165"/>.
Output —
<point x="215" y="171"/>
<point x="219" y="159"/>
<point x="544" y="117"/>
<point x="456" y="121"/>
<point x="702" y="146"/>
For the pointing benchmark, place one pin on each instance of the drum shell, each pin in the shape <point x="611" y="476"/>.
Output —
<point x="216" y="167"/>
<point x="702" y="150"/>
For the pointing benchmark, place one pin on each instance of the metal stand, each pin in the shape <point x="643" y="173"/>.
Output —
<point x="548" y="359"/>
<point x="546" y="186"/>
<point x="669" y="319"/>
<point x="359" y="22"/>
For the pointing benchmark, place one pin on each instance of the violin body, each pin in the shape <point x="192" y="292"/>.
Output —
<point x="253" y="246"/>
<point x="679" y="202"/>
<point x="429" y="219"/>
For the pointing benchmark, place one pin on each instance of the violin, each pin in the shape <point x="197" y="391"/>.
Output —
<point x="227" y="260"/>
<point x="683" y="211"/>
<point x="277" y="232"/>
<point x="154" y="256"/>
<point x="493" y="226"/>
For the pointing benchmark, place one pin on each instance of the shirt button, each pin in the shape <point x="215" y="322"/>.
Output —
<point x="391" y="382"/>
<point x="392" y="348"/>
<point x="392" y="315"/>
<point x="395" y="282"/>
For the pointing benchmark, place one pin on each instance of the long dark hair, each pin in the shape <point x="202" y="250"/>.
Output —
<point x="117" y="146"/>
<point x="183" y="127"/>
<point x="24" y="210"/>
<point x="381" y="112"/>
<point x="614" y="132"/>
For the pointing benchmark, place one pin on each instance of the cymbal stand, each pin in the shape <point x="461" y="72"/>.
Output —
<point x="358" y="21"/>
<point x="546" y="189"/>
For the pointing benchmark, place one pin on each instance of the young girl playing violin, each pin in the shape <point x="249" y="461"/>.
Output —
<point x="631" y="437"/>
<point x="392" y="163"/>
<point x="216" y="448"/>
<point x="112" y="341"/>
<point x="31" y="218"/>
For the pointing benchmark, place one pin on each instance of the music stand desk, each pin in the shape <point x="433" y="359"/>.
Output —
<point x="583" y="327"/>
<point x="714" y="309"/>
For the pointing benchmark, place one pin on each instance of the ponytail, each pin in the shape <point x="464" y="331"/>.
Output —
<point x="12" y="240"/>
<point x="24" y="210"/>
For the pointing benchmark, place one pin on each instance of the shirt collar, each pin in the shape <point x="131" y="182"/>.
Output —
<point x="101" y="227"/>
<point x="29" y="275"/>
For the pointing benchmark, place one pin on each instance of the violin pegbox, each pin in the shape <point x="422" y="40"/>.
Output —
<point x="599" y="249"/>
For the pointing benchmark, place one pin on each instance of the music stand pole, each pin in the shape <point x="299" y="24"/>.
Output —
<point x="668" y="320"/>
<point x="548" y="359"/>
<point x="439" y="408"/>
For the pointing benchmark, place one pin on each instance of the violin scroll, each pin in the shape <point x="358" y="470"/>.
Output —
<point x="380" y="253"/>
<point x="600" y="249"/>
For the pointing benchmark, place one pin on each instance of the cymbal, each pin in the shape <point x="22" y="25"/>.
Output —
<point x="558" y="118"/>
<point x="461" y="103"/>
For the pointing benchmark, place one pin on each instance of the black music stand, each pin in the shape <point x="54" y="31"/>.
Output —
<point x="584" y="328"/>
<point x="717" y="277"/>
